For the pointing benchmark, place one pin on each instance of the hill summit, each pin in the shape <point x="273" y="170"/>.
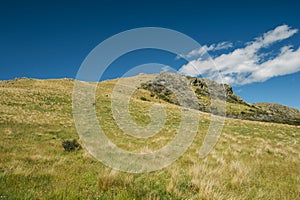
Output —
<point x="173" y="88"/>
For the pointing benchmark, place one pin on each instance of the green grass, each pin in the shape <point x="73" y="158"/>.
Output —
<point x="252" y="160"/>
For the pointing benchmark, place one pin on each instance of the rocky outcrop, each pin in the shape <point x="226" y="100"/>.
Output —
<point x="173" y="88"/>
<point x="197" y="93"/>
<point x="206" y="87"/>
<point x="279" y="113"/>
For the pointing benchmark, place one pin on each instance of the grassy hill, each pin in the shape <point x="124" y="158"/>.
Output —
<point x="252" y="160"/>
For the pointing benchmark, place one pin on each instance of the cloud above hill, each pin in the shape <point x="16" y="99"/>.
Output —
<point x="248" y="64"/>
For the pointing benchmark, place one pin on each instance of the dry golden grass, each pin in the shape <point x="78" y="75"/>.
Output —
<point x="252" y="160"/>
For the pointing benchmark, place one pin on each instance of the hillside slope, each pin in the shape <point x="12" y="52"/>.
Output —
<point x="252" y="160"/>
<point x="165" y="85"/>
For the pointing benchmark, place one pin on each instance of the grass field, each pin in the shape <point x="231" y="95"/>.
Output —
<point x="252" y="160"/>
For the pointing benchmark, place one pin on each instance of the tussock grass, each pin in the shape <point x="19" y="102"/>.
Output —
<point x="252" y="160"/>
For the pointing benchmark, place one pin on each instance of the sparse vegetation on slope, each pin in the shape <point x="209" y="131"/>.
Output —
<point x="252" y="160"/>
<point x="167" y="86"/>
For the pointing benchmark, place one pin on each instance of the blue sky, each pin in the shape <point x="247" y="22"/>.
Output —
<point x="50" y="39"/>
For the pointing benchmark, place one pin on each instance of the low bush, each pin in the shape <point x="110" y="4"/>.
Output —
<point x="71" y="145"/>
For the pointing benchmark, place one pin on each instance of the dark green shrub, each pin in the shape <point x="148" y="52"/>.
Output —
<point x="71" y="145"/>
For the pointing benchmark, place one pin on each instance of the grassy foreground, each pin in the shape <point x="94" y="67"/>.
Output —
<point x="252" y="160"/>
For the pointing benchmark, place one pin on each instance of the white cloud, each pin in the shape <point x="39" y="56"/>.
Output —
<point x="278" y="34"/>
<point x="246" y="65"/>
<point x="204" y="49"/>
<point x="223" y="45"/>
<point x="166" y="69"/>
